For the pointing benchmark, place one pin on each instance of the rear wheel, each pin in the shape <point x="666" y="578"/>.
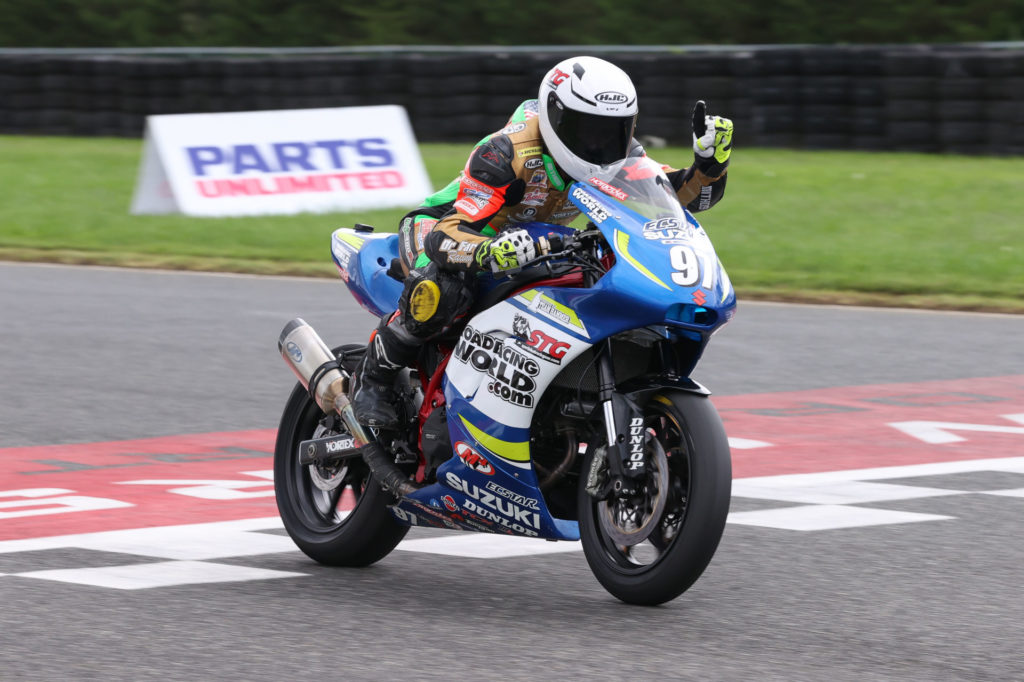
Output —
<point x="336" y="514"/>
<point x="650" y="548"/>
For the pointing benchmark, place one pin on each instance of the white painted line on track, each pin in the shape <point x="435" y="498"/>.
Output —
<point x="1019" y="492"/>
<point x="838" y="492"/>
<point x="1010" y="465"/>
<point x="827" y="517"/>
<point x="162" y="574"/>
<point x="189" y="542"/>
<point x="824" y="501"/>
<point x="747" y="443"/>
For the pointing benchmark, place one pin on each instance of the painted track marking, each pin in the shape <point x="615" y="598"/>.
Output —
<point x="822" y="460"/>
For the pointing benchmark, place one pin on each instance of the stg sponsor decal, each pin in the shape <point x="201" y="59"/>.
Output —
<point x="473" y="459"/>
<point x="497" y="508"/>
<point x="511" y="371"/>
<point x="537" y="342"/>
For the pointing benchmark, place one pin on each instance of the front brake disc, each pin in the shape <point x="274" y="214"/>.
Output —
<point x="629" y="521"/>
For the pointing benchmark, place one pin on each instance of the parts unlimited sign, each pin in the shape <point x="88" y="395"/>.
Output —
<point x="267" y="162"/>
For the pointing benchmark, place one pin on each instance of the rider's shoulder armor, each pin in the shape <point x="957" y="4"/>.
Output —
<point x="491" y="162"/>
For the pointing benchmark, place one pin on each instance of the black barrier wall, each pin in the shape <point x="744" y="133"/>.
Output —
<point x="921" y="98"/>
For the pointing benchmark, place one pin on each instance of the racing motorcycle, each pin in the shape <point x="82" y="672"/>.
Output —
<point x="561" y="408"/>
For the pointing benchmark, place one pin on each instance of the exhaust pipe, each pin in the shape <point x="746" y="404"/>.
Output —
<point x="313" y="363"/>
<point x="320" y="374"/>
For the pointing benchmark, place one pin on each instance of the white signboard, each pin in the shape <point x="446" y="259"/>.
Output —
<point x="290" y="161"/>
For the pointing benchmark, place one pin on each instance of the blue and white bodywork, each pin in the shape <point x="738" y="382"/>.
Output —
<point x="666" y="280"/>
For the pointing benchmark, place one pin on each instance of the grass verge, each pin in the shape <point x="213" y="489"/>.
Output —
<point x="841" y="227"/>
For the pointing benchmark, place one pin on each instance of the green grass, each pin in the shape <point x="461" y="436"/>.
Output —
<point x="884" y="229"/>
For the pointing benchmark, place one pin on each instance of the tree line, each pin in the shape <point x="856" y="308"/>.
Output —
<point x="314" y="23"/>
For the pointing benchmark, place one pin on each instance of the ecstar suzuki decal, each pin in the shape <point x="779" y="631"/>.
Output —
<point x="669" y="231"/>
<point x="496" y="508"/>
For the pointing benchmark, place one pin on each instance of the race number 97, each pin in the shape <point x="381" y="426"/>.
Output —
<point x="687" y="266"/>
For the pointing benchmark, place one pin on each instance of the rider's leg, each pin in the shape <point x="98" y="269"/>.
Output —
<point x="431" y="301"/>
<point x="390" y="349"/>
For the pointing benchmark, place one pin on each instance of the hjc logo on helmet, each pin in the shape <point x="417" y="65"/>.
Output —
<point x="611" y="98"/>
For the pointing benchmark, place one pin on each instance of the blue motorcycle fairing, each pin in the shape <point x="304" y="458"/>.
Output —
<point x="653" y="281"/>
<point x="665" y="275"/>
<point x="362" y="259"/>
<point x="496" y="502"/>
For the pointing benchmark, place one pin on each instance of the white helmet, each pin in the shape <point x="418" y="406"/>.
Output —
<point x="587" y="115"/>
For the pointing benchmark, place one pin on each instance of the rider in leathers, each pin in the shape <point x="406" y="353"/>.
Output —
<point x="582" y="123"/>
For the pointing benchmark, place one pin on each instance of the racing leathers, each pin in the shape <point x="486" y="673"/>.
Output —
<point x="508" y="180"/>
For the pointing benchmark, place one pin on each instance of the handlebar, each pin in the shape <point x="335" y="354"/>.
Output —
<point x="573" y="248"/>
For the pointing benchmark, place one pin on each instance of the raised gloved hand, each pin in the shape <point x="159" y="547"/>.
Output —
<point x="508" y="251"/>
<point x="712" y="141"/>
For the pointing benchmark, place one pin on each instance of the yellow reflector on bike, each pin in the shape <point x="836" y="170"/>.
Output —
<point x="423" y="300"/>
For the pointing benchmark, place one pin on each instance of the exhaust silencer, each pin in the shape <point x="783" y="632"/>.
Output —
<point x="313" y="363"/>
<point x="317" y="369"/>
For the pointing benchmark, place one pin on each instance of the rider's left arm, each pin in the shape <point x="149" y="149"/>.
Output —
<point x="697" y="191"/>
<point x="702" y="185"/>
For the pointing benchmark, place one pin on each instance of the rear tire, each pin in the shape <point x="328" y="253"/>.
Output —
<point x="688" y="428"/>
<point x="365" y="534"/>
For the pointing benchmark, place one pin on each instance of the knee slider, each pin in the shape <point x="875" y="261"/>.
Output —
<point x="420" y="303"/>
<point x="431" y="300"/>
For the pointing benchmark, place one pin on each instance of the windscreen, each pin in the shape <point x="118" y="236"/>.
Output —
<point x="641" y="185"/>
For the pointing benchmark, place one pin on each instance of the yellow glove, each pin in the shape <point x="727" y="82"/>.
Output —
<point x="712" y="141"/>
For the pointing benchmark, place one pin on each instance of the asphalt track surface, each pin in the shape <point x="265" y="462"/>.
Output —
<point x="94" y="355"/>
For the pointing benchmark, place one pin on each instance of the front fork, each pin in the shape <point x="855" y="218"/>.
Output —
<point x="624" y="433"/>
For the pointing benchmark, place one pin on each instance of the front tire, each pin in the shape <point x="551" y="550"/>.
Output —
<point x="688" y="429"/>
<point x="310" y="498"/>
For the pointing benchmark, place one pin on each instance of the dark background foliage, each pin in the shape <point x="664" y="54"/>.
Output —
<point x="312" y="23"/>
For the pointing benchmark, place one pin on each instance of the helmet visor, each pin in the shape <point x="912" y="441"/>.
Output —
<point x="595" y="139"/>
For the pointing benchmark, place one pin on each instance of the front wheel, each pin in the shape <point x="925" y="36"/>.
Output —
<point x="680" y="515"/>
<point x="336" y="514"/>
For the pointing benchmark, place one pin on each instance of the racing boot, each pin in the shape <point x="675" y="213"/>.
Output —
<point x="374" y="399"/>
